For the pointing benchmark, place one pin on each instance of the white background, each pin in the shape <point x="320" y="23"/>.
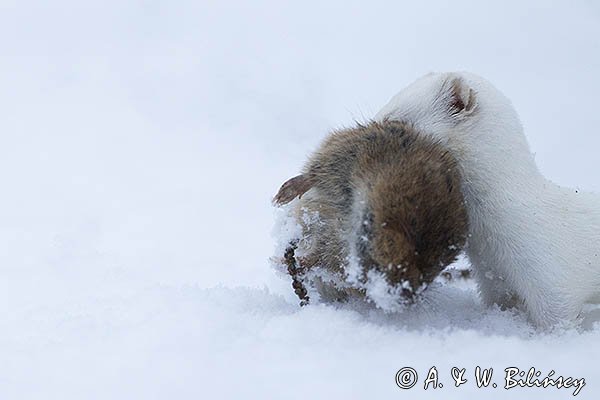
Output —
<point x="141" y="142"/>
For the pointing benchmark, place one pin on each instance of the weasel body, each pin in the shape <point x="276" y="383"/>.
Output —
<point x="531" y="243"/>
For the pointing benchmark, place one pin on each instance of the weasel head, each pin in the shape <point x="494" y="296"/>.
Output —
<point x="435" y="102"/>
<point x="478" y="124"/>
<point x="460" y="109"/>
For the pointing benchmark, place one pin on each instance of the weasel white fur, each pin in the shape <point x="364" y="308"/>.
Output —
<point x="531" y="242"/>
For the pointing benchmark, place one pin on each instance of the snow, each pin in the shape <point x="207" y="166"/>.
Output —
<point x="141" y="143"/>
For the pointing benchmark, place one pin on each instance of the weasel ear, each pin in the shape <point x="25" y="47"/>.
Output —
<point x="292" y="188"/>
<point x="462" y="99"/>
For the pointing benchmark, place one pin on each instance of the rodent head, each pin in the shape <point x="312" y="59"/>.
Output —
<point x="414" y="218"/>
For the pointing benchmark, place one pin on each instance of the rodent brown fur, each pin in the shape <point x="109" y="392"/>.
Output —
<point x="393" y="191"/>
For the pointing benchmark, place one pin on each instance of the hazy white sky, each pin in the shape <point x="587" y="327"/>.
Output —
<point x="169" y="125"/>
<point x="141" y="141"/>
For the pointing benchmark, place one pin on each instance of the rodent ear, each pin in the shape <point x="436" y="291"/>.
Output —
<point x="292" y="188"/>
<point x="463" y="99"/>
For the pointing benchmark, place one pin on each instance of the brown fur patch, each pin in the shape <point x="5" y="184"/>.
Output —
<point x="292" y="188"/>
<point x="413" y="222"/>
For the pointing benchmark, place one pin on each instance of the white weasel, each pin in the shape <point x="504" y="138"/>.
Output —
<point x="531" y="242"/>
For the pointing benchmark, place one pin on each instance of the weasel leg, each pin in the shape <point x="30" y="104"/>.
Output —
<point x="545" y="304"/>
<point x="494" y="289"/>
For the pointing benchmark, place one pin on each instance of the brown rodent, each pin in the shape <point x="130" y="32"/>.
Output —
<point x="383" y="195"/>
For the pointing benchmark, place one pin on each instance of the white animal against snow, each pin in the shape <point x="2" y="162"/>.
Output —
<point x="531" y="243"/>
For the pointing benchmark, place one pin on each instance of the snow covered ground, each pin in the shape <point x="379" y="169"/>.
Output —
<point x="141" y="143"/>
